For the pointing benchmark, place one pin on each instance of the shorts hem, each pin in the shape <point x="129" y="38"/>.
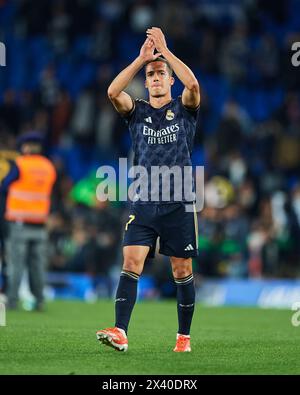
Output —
<point x="151" y="252"/>
<point x="136" y="244"/>
<point x="190" y="255"/>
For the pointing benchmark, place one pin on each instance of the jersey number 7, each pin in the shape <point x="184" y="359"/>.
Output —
<point x="131" y="218"/>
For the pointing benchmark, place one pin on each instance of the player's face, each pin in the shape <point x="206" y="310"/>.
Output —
<point x="158" y="80"/>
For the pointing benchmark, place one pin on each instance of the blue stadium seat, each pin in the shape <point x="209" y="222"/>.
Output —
<point x="40" y="55"/>
<point x="7" y="14"/>
<point x="129" y="45"/>
<point x="64" y="71"/>
<point x="198" y="156"/>
<point x="293" y="23"/>
<point x="83" y="75"/>
<point x="18" y="62"/>
<point x="81" y="46"/>
<point x="217" y="90"/>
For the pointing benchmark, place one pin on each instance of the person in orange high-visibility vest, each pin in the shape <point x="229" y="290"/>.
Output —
<point x="28" y="187"/>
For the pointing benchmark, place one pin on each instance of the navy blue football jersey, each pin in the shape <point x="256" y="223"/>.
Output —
<point x="162" y="137"/>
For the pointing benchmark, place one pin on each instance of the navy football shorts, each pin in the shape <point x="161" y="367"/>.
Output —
<point x="177" y="229"/>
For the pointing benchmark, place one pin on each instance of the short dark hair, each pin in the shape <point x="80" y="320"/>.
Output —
<point x="161" y="59"/>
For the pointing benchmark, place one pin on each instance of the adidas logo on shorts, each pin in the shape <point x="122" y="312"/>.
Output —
<point x="189" y="247"/>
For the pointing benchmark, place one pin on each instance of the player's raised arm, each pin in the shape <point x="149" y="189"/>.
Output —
<point x="120" y="99"/>
<point x="191" y="92"/>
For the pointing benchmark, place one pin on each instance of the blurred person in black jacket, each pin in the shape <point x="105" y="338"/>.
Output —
<point x="7" y="159"/>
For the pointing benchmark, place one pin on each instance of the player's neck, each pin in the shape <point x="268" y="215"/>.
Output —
<point x="158" y="102"/>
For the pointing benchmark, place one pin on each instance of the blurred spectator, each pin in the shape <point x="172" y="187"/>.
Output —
<point x="32" y="17"/>
<point x="229" y="134"/>
<point x="48" y="87"/>
<point x="101" y="48"/>
<point x="111" y="10"/>
<point x="247" y="133"/>
<point x="82" y="122"/>
<point x="174" y="17"/>
<point x="59" y="27"/>
<point x="105" y="125"/>
<point x="141" y="16"/>
<point x="266" y="60"/>
<point x="27" y="106"/>
<point x="10" y="112"/>
<point x="61" y="117"/>
<point x="234" y="251"/>
<point x="235" y="55"/>
<point x="207" y="59"/>
<point x="8" y="155"/>
<point x="296" y="202"/>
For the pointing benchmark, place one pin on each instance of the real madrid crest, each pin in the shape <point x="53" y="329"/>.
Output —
<point x="170" y="115"/>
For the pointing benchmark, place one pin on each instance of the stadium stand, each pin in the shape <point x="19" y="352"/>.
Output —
<point x="60" y="59"/>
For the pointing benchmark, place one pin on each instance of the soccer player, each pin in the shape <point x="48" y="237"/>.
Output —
<point x="162" y="132"/>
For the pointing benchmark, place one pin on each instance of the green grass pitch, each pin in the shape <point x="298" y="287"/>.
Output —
<point x="225" y="340"/>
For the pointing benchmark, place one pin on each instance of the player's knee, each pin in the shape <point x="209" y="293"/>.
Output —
<point x="133" y="264"/>
<point x="181" y="273"/>
<point x="181" y="267"/>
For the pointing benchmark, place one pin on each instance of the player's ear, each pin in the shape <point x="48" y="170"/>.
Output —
<point x="172" y="80"/>
<point x="146" y="84"/>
